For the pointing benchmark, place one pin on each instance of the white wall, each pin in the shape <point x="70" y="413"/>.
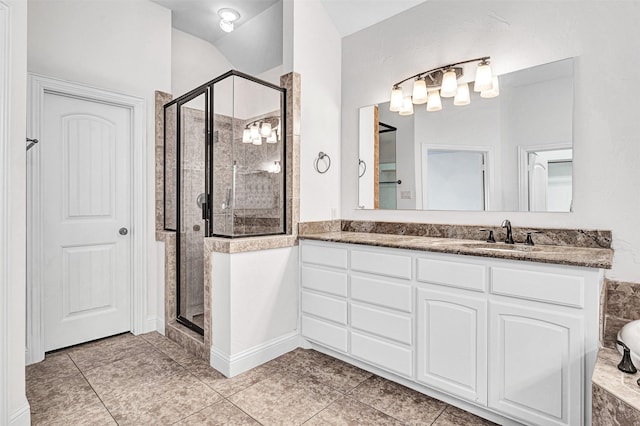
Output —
<point x="194" y="62"/>
<point x="518" y="35"/>
<point x="123" y="46"/>
<point x="13" y="386"/>
<point x="254" y="302"/>
<point x="316" y="48"/>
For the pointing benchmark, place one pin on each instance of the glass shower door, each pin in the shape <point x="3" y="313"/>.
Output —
<point x="193" y="208"/>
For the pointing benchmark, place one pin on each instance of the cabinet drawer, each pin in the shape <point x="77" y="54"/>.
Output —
<point x="382" y="293"/>
<point x="392" y="265"/>
<point x="325" y="333"/>
<point x="385" y="324"/>
<point x="455" y="274"/>
<point x="323" y="280"/>
<point x="324" y="307"/>
<point x="327" y="256"/>
<point x="541" y="286"/>
<point x="386" y="355"/>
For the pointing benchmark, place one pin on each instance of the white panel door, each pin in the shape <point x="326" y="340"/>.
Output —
<point x="535" y="364"/>
<point x="451" y="339"/>
<point x="86" y="204"/>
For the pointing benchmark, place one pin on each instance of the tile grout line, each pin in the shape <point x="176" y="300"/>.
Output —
<point x="441" y="413"/>
<point x="250" y="416"/>
<point x="94" y="391"/>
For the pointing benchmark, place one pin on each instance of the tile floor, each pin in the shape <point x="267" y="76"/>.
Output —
<point x="149" y="380"/>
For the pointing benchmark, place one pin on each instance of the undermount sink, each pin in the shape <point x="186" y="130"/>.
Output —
<point x="504" y="247"/>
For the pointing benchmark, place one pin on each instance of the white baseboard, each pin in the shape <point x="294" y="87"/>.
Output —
<point x="304" y="343"/>
<point x="246" y="360"/>
<point x="160" y="326"/>
<point x="22" y="416"/>
<point x="151" y="324"/>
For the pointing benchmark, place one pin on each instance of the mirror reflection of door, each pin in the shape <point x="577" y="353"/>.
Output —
<point x="387" y="177"/>
<point x="550" y="180"/>
<point x="455" y="179"/>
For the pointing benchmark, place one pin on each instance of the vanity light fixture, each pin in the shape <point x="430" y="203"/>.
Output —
<point x="442" y="82"/>
<point x="493" y="92"/>
<point x="420" y="91"/>
<point x="462" y="95"/>
<point x="267" y="128"/>
<point x="407" y="106"/>
<point x="227" y="18"/>
<point x="434" y="103"/>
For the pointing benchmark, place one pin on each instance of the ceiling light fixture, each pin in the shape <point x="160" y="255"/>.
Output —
<point x="442" y="82"/>
<point x="227" y="18"/>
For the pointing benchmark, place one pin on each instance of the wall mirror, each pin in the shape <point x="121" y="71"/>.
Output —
<point x="513" y="152"/>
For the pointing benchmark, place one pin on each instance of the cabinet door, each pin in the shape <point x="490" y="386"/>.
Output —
<point x="451" y="338"/>
<point x="535" y="364"/>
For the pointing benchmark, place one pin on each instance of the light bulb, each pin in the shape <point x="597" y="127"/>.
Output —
<point x="226" y="26"/>
<point x="265" y="130"/>
<point x="434" y="103"/>
<point x="483" y="77"/>
<point x="246" y="136"/>
<point x="407" y="106"/>
<point x="462" y="96"/>
<point x="272" y="138"/>
<point x="419" y="91"/>
<point x="449" y="84"/>
<point x="255" y="132"/>
<point x="494" y="91"/>
<point x="395" y="105"/>
<point x="277" y="168"/>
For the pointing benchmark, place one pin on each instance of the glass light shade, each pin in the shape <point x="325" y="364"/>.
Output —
<point x="462" y="96"/>
<point x="255" y="132"/>
<point x="434" y="103"/>
<point x="226" y="26"/>
<point x="228" y="14"/>
<point x="407" y="106"/>
<point x="272" y="138"/>
<point x="494" y="91"/>
<point x="396" y="100"/>
<point x="265" y="130"/>
<point x="257" y="141"/>
<point x="246" y="136"/>
<point x="483" y="77"/>
<point x="419" y="91"/>
<point x="449" y="84"/>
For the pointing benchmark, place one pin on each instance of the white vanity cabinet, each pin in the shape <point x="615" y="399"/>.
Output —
<point x="381" y="306"/>
<point x="323" y="297"/>
<point x="512" y="338"/>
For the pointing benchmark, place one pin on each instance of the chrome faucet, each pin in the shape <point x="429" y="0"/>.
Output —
<point x="507" y="224"/>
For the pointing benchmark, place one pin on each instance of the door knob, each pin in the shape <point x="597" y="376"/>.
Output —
<point x="123" y="231"/>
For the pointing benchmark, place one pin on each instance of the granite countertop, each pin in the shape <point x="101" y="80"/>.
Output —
<point x="608" y="377"/>
<point x="562" y="255"/>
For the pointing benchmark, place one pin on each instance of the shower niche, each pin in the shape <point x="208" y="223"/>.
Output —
<point x="224" y="169"/>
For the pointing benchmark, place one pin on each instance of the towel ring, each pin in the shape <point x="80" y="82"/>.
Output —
<point x="322" y="156"/>
<point x="364" y="169"/>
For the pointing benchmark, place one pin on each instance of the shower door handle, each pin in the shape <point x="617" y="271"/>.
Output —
<point x="123" y="231"/>
<point x="205" y="211"/>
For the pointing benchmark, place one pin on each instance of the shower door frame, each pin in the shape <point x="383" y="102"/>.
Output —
<point x="208" y="90"/>
<point x="180" y="102"/>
